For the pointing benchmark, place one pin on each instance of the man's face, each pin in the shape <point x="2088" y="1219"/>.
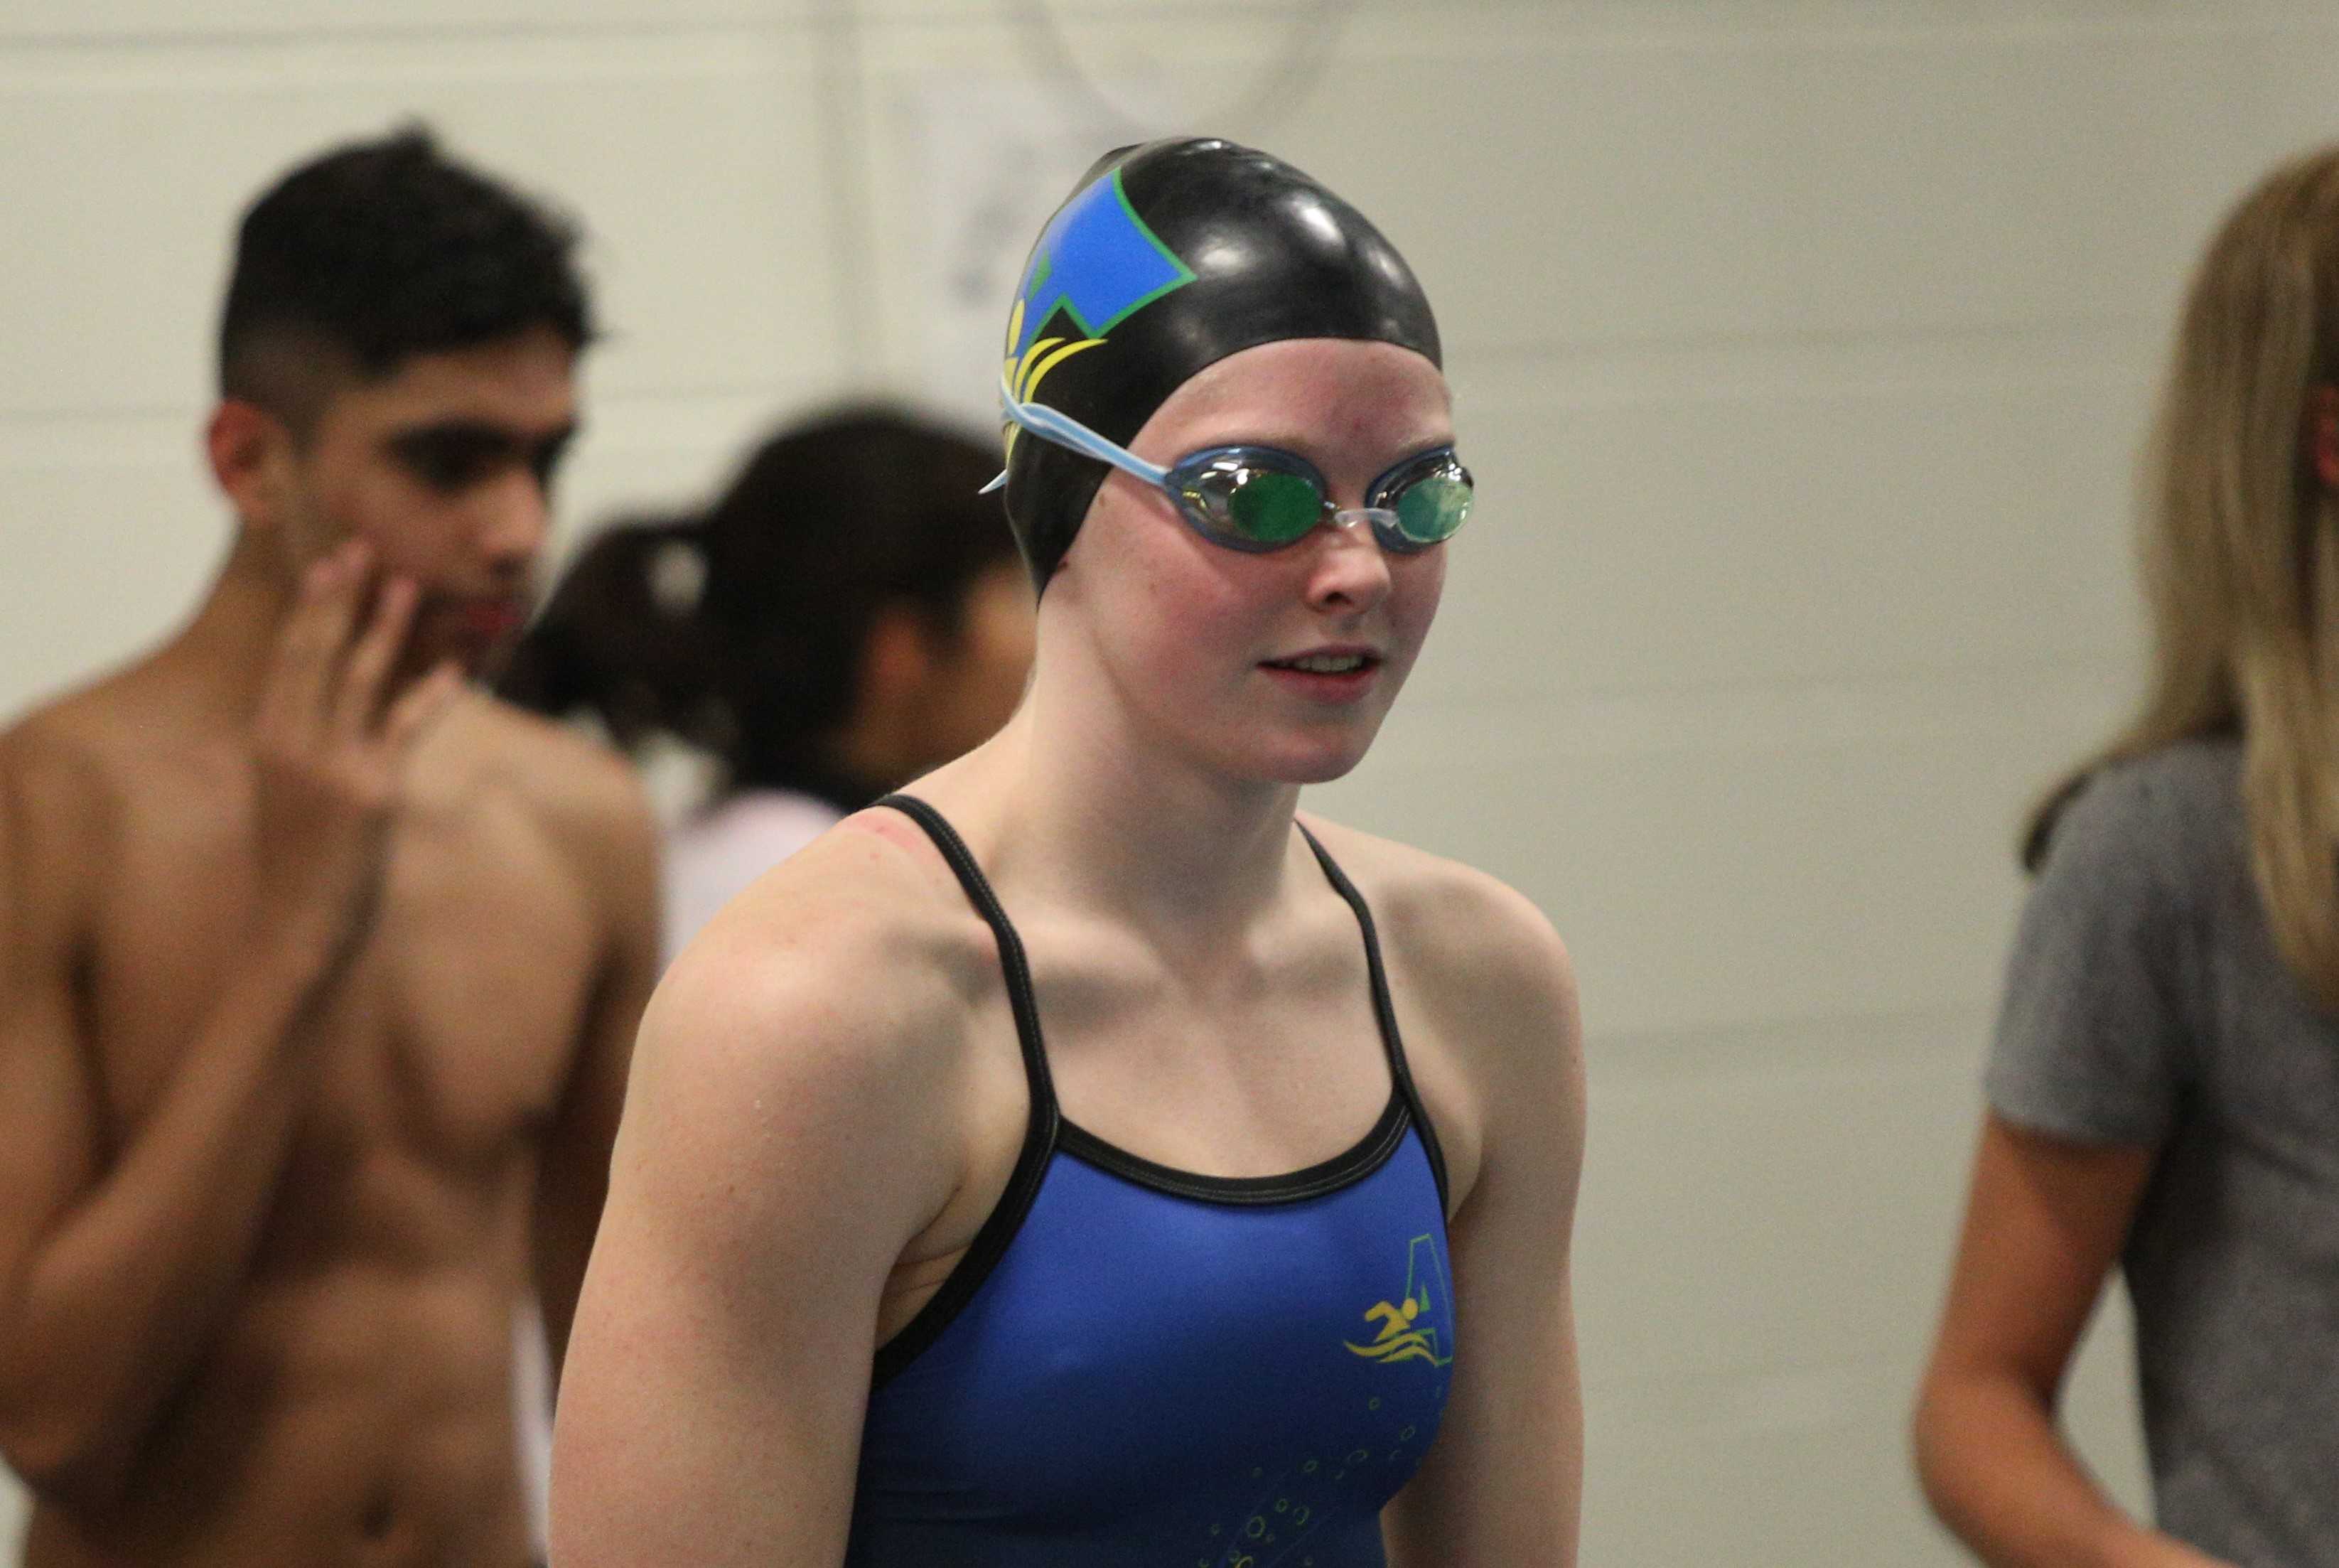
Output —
<point x="445" y="468"/>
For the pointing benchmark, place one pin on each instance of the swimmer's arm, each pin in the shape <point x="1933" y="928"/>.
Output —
<point x="2044" y="1224"/>
<point x="573" y="1182"/>
<point x="777" y="1154"/>
<point x="1500" y="1486"/>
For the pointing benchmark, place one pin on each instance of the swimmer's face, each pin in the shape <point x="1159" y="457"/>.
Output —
<point x="445" y="468"/>
<point x="1199" y="639"/>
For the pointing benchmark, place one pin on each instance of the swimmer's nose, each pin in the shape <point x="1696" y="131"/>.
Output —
<point x="1352" y="571"/>
<point x="1350" y="518"/>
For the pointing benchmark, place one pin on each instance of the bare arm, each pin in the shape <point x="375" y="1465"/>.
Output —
<point x="574" y="1182"/>
<point x="2044" y="1224"/>
<point x="1503" y="1484"/>
<point x="117" y="1264"/>
<point x="787" y="1132"/>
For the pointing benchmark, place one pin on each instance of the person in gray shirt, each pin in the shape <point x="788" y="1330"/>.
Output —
<point x="2163" y="1090"/>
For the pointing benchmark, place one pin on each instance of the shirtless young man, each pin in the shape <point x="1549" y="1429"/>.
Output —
<point x="320" y="971"/>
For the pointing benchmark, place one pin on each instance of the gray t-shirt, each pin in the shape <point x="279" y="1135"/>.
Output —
<point x="2147" y="1004"/>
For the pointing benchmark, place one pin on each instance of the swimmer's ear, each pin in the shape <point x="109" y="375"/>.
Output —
<point x="2322" y="435"/>
<point x="251" y="453"/>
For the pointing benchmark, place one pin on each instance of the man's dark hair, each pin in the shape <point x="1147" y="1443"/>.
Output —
<point x="377" y="250"/>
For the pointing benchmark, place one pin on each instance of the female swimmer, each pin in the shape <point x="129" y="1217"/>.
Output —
<point x="1085" y="1157"/>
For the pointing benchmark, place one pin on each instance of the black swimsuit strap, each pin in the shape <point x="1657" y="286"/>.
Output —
<point x="1039" y="1133"/>
<point x="1012" y="960"/>
<point x="1384" y="1010"/>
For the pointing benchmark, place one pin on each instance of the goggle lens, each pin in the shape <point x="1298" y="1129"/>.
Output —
<point x="1271" y="507"/>
<point x="1433" y="508"/>
<point x="1257" y="498"/>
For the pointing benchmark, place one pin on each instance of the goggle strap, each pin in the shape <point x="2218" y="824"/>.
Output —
<point x="1049" y="424"/>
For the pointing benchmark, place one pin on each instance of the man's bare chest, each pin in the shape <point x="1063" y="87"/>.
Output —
<point x="448" y="1039"/>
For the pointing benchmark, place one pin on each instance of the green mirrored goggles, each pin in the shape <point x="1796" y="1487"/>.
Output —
<point x="1261" y="499"/>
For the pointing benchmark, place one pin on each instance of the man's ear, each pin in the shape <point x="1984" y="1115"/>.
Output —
<point x="2322" y="435"/>
<point x="251" y="453"/>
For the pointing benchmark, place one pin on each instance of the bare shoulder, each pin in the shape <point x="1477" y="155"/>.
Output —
<point x="108" y="725"/>
<point x="67" y="772"/>
<point x="580" y="783"/>
<point x="49" y="748"/>
<point x="1486" y="999"/>
<point x="61" y="782"/>
<point x="1475" y="943"/>
<point x="78" y="737"/>
<point x="585" y="798"/>
<point x="801" y="1070"/>
<point x="820" y="1017"/>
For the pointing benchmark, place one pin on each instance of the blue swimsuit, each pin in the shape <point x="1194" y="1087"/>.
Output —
<point x="1139" y="1367"/>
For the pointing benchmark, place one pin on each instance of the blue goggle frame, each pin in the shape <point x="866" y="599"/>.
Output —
<point x="1208" y="486"/>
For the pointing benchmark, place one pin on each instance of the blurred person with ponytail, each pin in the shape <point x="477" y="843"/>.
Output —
<point x="2164" y="1093"/>
<point x="848" y="615"/>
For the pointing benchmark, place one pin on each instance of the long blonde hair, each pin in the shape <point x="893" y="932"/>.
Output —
<point x="2241" y="556"/>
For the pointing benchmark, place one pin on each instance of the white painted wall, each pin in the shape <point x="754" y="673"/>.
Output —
<point x="1802" y="348"/>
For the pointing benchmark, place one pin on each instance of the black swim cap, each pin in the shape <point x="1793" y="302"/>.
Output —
<point x="1168" y="258"/>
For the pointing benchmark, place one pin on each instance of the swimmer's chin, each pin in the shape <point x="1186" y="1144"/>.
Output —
<point x="1321" y="764"/>
<point x="1326" y="774"/>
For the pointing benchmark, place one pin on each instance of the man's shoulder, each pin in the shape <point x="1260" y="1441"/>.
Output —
<point x="65" y="763"/>
<point x="577" y="797"/>
<point x="70" y="774"/>
<point x="580" y="785"/>
<point x="124" y="730"/>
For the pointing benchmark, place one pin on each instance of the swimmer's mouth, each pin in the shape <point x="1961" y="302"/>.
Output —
<point x="1328" y="662"/>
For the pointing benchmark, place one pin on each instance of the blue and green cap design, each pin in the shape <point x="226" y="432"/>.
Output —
<point x="1166" y="259"/>
<point x="1096" y="262"/>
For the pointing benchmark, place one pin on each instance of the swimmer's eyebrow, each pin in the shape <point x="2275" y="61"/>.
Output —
<point x="449" y="454"/>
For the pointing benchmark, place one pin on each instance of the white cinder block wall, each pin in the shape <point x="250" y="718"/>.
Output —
<point x="1801" y="349"/>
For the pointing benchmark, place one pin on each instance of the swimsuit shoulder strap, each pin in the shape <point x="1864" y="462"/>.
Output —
<point x="1384" y="1010"/>
<point x="1040" y="1129"/>
<point x="1012" y="963"/>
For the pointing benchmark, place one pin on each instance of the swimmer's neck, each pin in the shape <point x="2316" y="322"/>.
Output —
<point x="1098" y="821"/>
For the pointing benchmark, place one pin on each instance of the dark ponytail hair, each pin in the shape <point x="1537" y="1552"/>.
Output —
<point x="741" y="630"/>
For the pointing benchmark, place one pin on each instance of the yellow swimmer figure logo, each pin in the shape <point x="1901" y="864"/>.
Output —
<point x="1403" y="1336"/>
